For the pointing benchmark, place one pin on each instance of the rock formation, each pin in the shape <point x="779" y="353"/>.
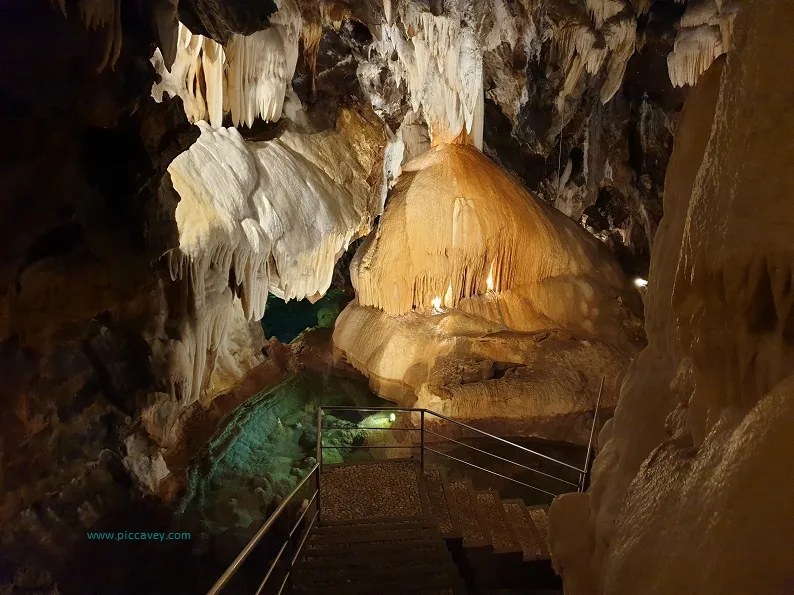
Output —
<point x="462" y="240"/>
<point x="274" y="215"/>
<point x="687" y="491"/>
<point x="139" y="249"/>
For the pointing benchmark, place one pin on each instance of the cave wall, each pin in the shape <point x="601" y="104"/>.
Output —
<point x="79" y="300"/>
<point x="88" y="310"/>
<point x="688" y="492"/>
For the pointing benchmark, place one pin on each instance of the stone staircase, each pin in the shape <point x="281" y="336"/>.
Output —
<point x="387" y="556"/>
<point x="497" y="543"/>
<point x="452" y="539"/>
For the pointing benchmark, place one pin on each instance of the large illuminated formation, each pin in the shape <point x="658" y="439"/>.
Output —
<point x="271" y="216"/>
<point x="468" y="275"/>
<point x="459" y="229"/>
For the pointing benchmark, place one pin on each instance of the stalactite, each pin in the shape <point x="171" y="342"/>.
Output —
<point x="276" y="214"/>
<point x="607" y="40"/>
<point x="705" y="34"/>
<point x="247" y="78"/>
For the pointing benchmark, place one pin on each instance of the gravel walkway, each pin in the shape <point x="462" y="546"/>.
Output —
<point x="370" y="490"/>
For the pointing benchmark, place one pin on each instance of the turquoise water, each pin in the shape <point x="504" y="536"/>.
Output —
<point x="287" y="320"/>
<point x="265" y="446"/>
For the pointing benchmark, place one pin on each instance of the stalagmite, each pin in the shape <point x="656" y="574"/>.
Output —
<point x="467" y="272"/>
<point x="465" y="220"/>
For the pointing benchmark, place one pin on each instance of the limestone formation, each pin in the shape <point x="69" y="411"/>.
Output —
<point x="476" y="300"/>
<point x="139" y="251"/>
<point x="690" y="465"/>
<point x="459" y="232"/>
<point x="542" y="383"/>
<point x="705" y="34"/>
<point x="247" y="77"/>
<point x="274" y="215"/>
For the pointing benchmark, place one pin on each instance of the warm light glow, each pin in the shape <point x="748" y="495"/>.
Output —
<point x="489" y="280"/>
<point x="392" y="417"/>
<point x="448" y="296"/>
<point x="640" y="282"/>
<point x="436" y="305"/>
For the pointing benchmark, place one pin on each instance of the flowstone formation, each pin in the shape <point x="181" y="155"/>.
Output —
<point x="476" y="299"/>
<point x="687" y="492"/>
<point x="273" y="215"/>
<point x="139" y="249"/>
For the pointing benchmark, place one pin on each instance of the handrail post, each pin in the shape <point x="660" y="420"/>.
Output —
<point x="422" y="441"/>
<point x="587" y="462"/>
<point x="289" y="548"/>
<point x="319" y="455"/>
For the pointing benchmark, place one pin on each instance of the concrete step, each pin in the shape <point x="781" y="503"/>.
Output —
<point x="437" y="490"/>
<point x="524" y="527"/>
<point x="429" y="586"/>
<point x="462" y="505"/>
<point x="403" y="574"/>
<point x="381" y="523"/>
<point x="369" y="490"/>
<point x="503" y="539"/>
<point x="374" y="534"/>
<point x="539" y="515"/>
<point x="319" y="562"/>
<point x="400" y="556"/>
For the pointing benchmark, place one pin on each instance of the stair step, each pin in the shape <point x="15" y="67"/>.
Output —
<point x="373" y="490"/>
<point x="518" y="516"/>
<point x="539" y="515"/>
<point x="374" y="535"/>
<point x="502" y="537"/>
<point x="341" y="550"/>
<point x="365" y="558"/>
<point x="440" y="585"/>
<point x="439" y="509"/>
<point x="407" y="576"/>
<point x="462" y="502"/>
<point x="376" y="524"/>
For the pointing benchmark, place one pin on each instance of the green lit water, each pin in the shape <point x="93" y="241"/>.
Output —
<point x="264" y="447"/>
<point x="287" y="320"/>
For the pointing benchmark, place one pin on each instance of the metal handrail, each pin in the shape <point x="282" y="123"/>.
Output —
<point x="371" y="428"/>
<point x="438" y="452"/>
<point x="508" y="442"/>
<point x="246" y="551"/>
<point x="583" y="471"/>
<point x="454" y="421"/>
<point x="490" y="454"/>
<point x="221" y="583"/>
